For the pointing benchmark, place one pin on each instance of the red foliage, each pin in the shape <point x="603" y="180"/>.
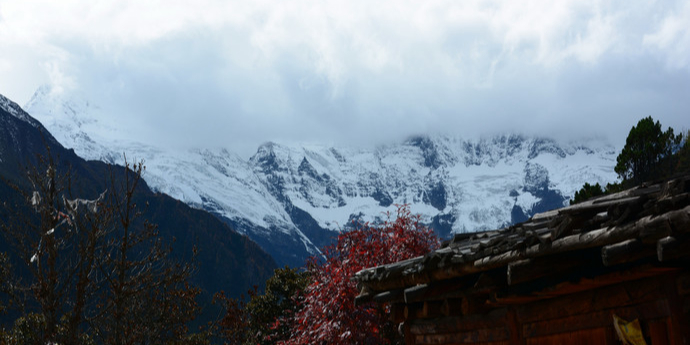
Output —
<point x="328" y="314"/>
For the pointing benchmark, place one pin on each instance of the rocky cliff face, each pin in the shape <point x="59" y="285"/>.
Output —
<point x="292" y="198"/>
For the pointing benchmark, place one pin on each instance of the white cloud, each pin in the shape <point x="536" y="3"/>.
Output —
<point x="239" y="72"/>
<point x="672" y="38"/>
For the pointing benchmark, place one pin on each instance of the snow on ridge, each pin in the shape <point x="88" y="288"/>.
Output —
<point x="9" y="106"/>
<point x="77" y="124"/>
<point x="15" y="110"/>
<point x="194" y="176"/>
<point x="478" y="191"/>
<point x="471" y="184"/>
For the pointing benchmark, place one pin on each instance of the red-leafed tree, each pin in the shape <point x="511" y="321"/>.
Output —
<point x="328" y="314"/>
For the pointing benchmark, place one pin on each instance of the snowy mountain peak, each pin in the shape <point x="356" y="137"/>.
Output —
<point x="15" y="110"/>
<point x="51" y="103"/>
<point x="77" y="124"/>
<point x="430" y="152"/>
<point x="292" y="198"/>
<point x="266" y="158"/>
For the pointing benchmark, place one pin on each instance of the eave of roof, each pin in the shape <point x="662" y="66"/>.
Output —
<point x="649" y="214"/>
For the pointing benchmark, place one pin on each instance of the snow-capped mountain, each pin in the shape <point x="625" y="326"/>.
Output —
<point x="242" y="263"/>
<point x="292" y="198"/>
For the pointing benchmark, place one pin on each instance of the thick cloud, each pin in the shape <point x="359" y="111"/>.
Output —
<point x="240" y="73"/>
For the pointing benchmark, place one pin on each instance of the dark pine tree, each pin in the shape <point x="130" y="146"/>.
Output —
<point x="646" y="148"/>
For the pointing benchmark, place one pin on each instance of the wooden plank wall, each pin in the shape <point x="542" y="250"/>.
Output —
<point x="661" y="304"/>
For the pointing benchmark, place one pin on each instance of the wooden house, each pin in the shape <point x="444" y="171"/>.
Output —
<point x="575" y="275"/>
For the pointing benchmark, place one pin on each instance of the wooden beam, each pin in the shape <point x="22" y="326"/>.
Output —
<point x="626" y="251"/>
<point x="431" y="309"/>
<point x="645" y="311"/>
<point x="531" y="269"/>
<point x="412" y="293"/>
<point x="597" y="205"/>
<point x="671" y="248"/>
<point x="495" y="318"/>
<point x="413" y="311"/>
<point x="397" y="313"/>
<point x="488" y="282"/>
<point x="363" y="299"/>
<point x="583" y="284"/>
<point x="519" y="271"/>
<point x="452" y="307"/>
<point x="679" y="320"/>
<point x="388" y="296"/>
<point x="438" y="291"/>
<point x="475" y="305"/>
<point x="512" y="300"/>
<point x="683" y="284"/>
<point x="409" y="338"/>
<point x="516" y="337"/>
<point x="604" y="298"/>
<point x="653" y="228"/>
<point x="475" y="336"/>
<point x="648" y="229"/>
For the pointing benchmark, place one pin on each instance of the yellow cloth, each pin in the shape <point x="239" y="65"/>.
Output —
<point x="629" y="333"/>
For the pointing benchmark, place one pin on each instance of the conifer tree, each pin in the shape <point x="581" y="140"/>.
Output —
<point x="646" y="147"/>
<point x="586" y="192"/>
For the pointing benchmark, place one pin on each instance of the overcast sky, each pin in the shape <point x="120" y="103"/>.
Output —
<point x="238" y="73"/>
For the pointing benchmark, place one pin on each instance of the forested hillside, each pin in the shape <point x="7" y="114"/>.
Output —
<point x="40" y="182"/>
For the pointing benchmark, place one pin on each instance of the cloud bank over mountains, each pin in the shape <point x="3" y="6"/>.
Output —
<point x="236" y="73"/>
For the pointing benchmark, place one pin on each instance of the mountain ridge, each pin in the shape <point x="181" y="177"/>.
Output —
<point x="227" y="260"/>
<point x="293" y="198"/>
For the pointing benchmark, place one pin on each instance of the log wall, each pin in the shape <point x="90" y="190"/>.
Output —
<point x="661" y="304"/>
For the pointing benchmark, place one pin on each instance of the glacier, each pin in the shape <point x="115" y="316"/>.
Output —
<point x="292" y="198"/>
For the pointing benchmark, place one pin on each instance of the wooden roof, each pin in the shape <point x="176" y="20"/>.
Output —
<point x="650" y="222"/>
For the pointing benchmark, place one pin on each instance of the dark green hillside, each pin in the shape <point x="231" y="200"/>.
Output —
<point x="226" y="260"/>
